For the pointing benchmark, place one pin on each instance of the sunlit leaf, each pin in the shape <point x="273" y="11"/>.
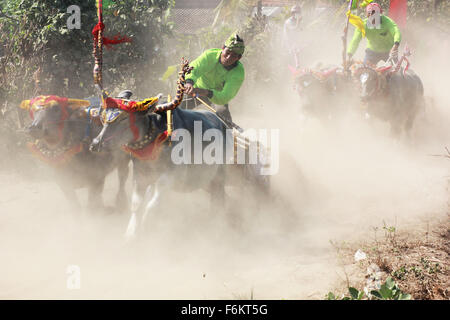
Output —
<point x="353" y="292"/>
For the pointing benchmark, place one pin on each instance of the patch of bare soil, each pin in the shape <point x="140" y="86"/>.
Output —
<point x="417" y="259"/>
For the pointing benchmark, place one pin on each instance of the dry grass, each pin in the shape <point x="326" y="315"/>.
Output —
<point x="418" y="260"/>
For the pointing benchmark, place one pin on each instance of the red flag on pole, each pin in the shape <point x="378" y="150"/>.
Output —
<point x="397" y="12"/>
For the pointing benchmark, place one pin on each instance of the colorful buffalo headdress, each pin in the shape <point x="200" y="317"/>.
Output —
<point x="42" y="102"/>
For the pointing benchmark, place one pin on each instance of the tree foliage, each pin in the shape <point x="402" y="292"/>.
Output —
<point x="38" y="54"/>
<point x="41" y="55"/>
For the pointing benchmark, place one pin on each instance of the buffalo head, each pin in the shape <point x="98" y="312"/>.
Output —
<point x="369" y="80"/>
<point x="49" y="115"/>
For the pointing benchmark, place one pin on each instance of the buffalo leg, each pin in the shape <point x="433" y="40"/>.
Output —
<point x="396" y="121"/>
<point x="153" y="195"/>
<point x="143" y="180"/>
<point x="137" y="199"/>
<point x="144" y="200"/>
<point x="70" y="196"/>
<point x="95" y="197"/>
<point x="121" y="198"/>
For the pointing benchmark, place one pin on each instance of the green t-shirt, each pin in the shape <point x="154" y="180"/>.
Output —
<point x="378" y="40"/>
<point x="209" y="73"/>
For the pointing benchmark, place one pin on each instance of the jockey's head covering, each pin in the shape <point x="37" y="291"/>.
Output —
<point x="373" y="7"/>
<point x="235" y="44"/>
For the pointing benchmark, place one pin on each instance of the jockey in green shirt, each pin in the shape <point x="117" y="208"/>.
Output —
<point x="218" y="75"/>
<point x="382" y="42"/>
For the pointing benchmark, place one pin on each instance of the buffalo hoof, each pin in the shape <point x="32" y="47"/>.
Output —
<point x="130" y="233"/>
<point x="121" y="206"/>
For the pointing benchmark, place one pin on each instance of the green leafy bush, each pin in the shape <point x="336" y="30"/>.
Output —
<point x="38" y="46"/>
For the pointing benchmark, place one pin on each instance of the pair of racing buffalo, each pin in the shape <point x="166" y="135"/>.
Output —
<point x="390" y="93"/>
<point x="84" y="142"/>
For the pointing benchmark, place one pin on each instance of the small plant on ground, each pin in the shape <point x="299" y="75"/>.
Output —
<point x="388" y="291"/>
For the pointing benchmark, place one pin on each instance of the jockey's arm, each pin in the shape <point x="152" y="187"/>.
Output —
<point x="353" y="46"/>
<point x="201" y="65"/>
<point x="230" y="89"/>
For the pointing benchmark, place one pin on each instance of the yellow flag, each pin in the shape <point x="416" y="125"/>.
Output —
<point x="170" y="71"/>
<point x="357" y="22"/>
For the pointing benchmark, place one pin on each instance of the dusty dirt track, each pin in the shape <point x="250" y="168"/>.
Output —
<point x="190" y="253"/>
<point x="357" y="178"/>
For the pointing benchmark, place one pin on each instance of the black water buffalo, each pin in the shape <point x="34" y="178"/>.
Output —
<point x="162" y="163"/>
<point x="61" y="130"/>
<point x="396" y="97"/>
<point x="325" y="92"/>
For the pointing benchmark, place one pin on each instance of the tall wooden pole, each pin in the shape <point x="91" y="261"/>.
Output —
<point x="98" y="49"/>
<point x="344" y="37"/>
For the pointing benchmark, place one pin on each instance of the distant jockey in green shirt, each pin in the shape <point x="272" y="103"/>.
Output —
<point x="217" y="76"/>
<point x="382" y="42"/>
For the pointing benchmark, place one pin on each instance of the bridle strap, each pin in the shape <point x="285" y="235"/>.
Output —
<point x="87" y="132"/>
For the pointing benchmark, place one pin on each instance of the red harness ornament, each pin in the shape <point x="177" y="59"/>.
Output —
<point x="151" y="151"/>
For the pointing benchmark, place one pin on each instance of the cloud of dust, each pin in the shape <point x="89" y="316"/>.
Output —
<point x="341" y="179"/>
